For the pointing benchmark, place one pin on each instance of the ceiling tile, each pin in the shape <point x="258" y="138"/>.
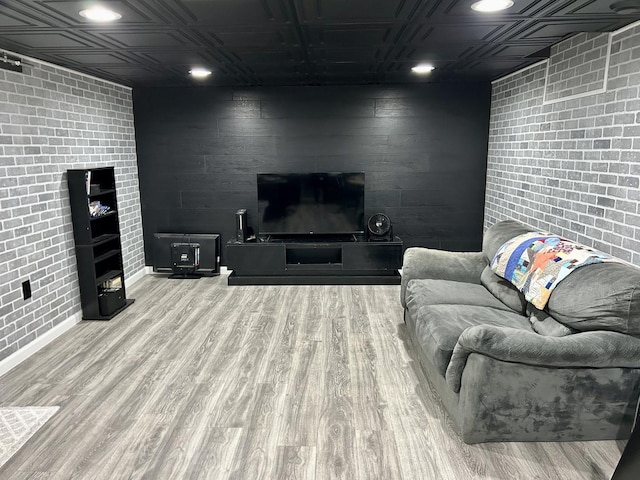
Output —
<point x="94" y="58"/>
<point x="172" y="57"/>
<point x="247" y="38"/>
<point x="151" y="39"/>
<point x="8" y="20"/>
<point x="349" y="36"/>
<point x="347" y="55"/>
<point x="558" y="30"/>
<point x="45" y="40"/>
<point x="519" y="51"/>
<point x="461" y="33"/>
<point x="348" y="10"/>
<point x="227" y="12"/>
<point x="443" y="52"/>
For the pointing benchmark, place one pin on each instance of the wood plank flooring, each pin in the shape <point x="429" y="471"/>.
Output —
<point x="199" y="380"/>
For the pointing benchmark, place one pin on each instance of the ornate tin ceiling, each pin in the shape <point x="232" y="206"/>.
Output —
<point x="296" y="42"/>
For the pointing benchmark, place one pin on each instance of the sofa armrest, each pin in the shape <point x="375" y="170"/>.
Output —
<point x="596" y="349"/>
<point x="428" y="263"/>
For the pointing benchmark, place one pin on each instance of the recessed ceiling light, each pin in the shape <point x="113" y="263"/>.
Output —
<point x="626" y="7"/>
<point x="491" y="5"/>
<point x="200" y="72"/>
<point x="423" y="68"/>
<point x="100" y="14"/>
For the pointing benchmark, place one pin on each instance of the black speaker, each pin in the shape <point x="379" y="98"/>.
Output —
<point x="379" y="228"/>
<point x="241" y="225"/>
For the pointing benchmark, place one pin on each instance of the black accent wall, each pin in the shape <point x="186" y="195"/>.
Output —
<point x="423" y="149"/>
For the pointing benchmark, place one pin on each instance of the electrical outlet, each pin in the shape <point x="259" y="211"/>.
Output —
<point x="26" y="289"/>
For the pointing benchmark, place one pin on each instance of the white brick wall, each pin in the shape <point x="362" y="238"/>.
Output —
<point x="52" y="120"/>
<point x="571" y="166"/>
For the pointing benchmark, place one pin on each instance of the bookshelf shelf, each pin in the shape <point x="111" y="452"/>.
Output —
<point x="101" y="192"/>
<point x="108" y="276"/>
<point x="104" y="238"/>
<point x="106" y="215"/>
<point x="106" y="255"/>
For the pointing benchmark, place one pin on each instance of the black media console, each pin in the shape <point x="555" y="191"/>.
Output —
<point x="314" y="263"/>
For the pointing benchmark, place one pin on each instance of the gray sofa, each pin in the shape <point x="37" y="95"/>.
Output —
<point x="506" y="371"/>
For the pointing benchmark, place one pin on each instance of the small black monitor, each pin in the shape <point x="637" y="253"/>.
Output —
<point x="208" y="262"/>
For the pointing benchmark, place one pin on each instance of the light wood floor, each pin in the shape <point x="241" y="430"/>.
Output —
<point x="198" y="380"/>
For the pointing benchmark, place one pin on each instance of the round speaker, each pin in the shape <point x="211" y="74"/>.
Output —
<point x="378" y="226"/>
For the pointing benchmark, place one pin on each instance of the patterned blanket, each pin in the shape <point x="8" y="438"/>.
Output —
<point x="536" y="262"/>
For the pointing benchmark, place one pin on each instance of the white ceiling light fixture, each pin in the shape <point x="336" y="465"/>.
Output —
<point x="98" y="13"/>
<point x="491" y="5"/>
<point x="423" y="68"/>
<point x="199" y="72"/>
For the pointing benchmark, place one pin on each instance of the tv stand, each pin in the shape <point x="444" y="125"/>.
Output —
<point x="352" y="237"/>
<point x="314" y="262"/>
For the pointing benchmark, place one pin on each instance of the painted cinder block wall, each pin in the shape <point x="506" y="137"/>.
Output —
<point x="51" y="120"/>
<point x="564" y="144"/>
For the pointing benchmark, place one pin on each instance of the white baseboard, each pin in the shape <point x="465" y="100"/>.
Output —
<point x="39" y="343"/>
<point x="49" y="336"/>
<point x="139" y="275"/>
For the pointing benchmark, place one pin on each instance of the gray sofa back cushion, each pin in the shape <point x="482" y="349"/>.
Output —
<point x="604" y="296"/>
<point x="498" y="234"/>
<point x="503" y="290"/>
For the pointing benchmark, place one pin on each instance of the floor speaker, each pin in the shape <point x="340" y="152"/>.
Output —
<point x="241" y="225"/>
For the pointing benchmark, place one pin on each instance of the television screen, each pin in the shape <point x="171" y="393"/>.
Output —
<point x="310" y="203"/>
<point x="208" y="261"/>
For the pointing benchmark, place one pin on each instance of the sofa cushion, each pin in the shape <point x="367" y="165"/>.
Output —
<point x="503" y="290"/>
<point x="439" y="326"/>
<point x="498" y="234"/>
<point x="437" y="292"/>
<point x="603" y="296"/>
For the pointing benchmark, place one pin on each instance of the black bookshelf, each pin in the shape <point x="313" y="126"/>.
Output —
<point x="96" y="231"/>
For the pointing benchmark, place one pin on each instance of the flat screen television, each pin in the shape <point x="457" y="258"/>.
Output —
<point x="205" y="245"/>
<point x="310" y="203"/>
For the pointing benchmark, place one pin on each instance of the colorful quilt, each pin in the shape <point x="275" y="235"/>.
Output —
<point x="536" y="262"/>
